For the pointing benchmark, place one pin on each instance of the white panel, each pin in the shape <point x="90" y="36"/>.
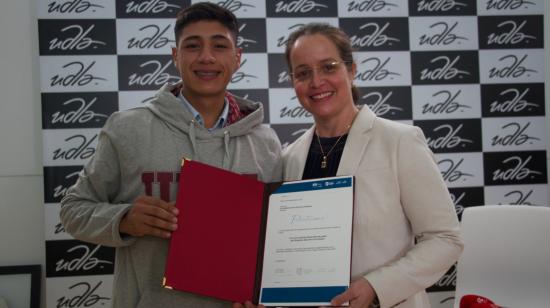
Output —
<point x="387" y="68"/>
<point x="354" y="8"/>
<point x="132" y="99"/>
<point x="511" y="66"/>
<point x="251" y="73"/>
<point x="78" y="73"/>
<point x="446" y="102"/>
<point x="443" y="33"/>
<point x="86" y="291"/>
<point x="510" y="7"/>
<point x="145" y="36"/>
<point x="284" y="108"/>
<point x="517" y="194"/>
<point x="461" y="169"/>
<point x="69" y="147"/>
<point x="76" y="9"/>
<point x="278" y="30"/>
<point x="242" y="8"/>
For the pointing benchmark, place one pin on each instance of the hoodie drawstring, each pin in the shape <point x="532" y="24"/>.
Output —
<point x="192" y="137"/>
<point x="226" y="157"/>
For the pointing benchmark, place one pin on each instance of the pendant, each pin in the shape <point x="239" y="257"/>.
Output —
<point x="324" y="162"/>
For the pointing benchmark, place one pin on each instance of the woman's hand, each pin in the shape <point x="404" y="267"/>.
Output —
<point x="359" y="295"/>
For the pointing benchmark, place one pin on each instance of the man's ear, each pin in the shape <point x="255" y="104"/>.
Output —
<point x="238" y="54"/>
<point x="175" y="56"/>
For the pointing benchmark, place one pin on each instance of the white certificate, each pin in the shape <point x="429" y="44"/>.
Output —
<point x="307" y="253"/>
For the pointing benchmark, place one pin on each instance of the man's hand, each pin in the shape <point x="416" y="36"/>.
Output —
<point x="150" y="216"/>
<point x="359" y="295"/>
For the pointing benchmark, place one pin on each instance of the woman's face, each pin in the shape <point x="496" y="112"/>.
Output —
<point x="321" y="80"/>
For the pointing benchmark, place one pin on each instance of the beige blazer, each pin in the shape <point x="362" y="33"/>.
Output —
<point x="400" y="196"/>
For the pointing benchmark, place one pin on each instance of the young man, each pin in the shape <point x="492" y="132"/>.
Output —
<point x="124" y="195"/>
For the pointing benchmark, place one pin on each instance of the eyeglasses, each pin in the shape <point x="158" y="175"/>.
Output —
<point x="304" y="73"/>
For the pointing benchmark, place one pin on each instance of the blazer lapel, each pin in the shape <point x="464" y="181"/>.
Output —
<point x="357" y="142"/>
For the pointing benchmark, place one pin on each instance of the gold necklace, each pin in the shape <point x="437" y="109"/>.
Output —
<point x="324" y="161"/>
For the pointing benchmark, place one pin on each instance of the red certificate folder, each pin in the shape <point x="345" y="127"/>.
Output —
<point x="215" y="250"/>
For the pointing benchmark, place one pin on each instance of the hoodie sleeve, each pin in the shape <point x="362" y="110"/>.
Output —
<point x="87" y="211"/>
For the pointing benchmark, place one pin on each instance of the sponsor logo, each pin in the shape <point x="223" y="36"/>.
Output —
<point x="86" y="298"/>
<point x="515" y="103"/>
<point x="508" y="4"/>
<point x="282" y="40"/>
<point x="75" y="6"/>
<point x="512" y="99"/>
<point x="512" y="168"/>
<point x="57" y="181"/>
<point x="279" y="76"/>
<point x="517" y="170"/>
<point x="446" y="69"/>
<point x="85" y="262"/>
<point x="439" y="5"/>
<point x="449" y="140"/>
<point x="442" y="7"/>
<point x="447" y="105"/>
<point x="155" y="40"/>
<point x="158" y="74"/>
<point x="240" y="75"/>
<point x="150" y="7"/>
<point x="241" y="40"/>
<point x="375" y="36"/>
<point x="369" y="6"/>
<point x="294" y="112"/>
<point x="516" y="137"/>
<point x="79" y="40"/>
<point x="444" y="37"/>
<point x="512" y="37"/>
<point x="375" y="70"/>
<point x="233" y="5"/>
<point x="79" y="113"/>
<point x="380" y="106"/>
<point x="451" y="172"/>
<point x="298" y="6"/>
<point x="514" y="69"/>
<point x="80" y="148"/>
<point x="519" y="197"/>
<point x="61" y="189"/>
<point x="77" y="76"/>
<point x="301" y="8"/>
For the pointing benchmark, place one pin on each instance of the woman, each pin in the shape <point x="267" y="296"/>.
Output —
<point x="400" y="197"/>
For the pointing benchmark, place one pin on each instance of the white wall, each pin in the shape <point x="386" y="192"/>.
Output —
<point x="21" y="189"/>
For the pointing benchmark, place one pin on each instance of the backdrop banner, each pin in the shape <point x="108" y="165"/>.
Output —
<point x="469" y="73"/>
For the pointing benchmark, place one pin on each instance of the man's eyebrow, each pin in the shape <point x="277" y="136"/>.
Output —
<point x="214" y="37"/>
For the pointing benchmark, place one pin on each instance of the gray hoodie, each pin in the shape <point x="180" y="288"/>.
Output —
<point x="139" y="152"/>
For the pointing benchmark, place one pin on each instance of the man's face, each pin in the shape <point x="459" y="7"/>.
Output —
<point x="206" y="58"/>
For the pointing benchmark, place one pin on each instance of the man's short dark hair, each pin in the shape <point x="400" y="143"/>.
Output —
<point x="209" y="12"/>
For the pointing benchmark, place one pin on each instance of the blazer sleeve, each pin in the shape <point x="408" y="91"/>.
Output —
<point x="86" y="210"/>
<point x="433" y="220"/>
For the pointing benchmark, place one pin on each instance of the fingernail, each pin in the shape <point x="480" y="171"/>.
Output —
<point x="167" y="234"/>
<point x="174" y="220"/>
<point x="174" y="227"/>
<point x="175" y="211"/>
